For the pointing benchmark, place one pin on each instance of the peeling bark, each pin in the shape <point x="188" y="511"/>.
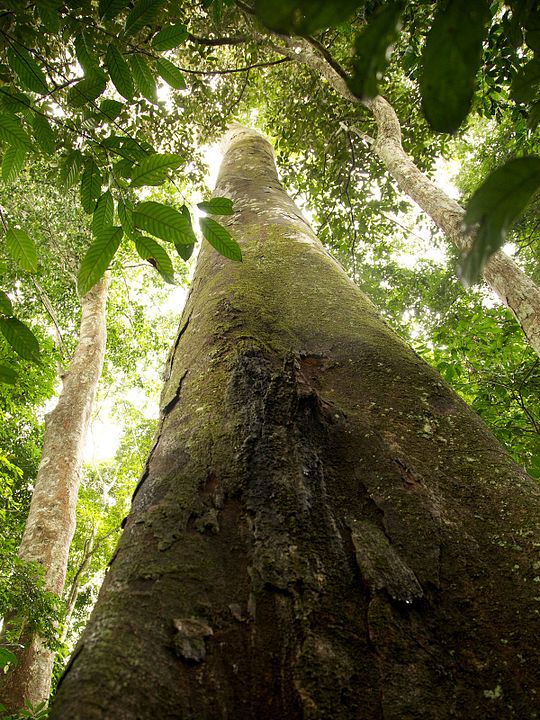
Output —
<point x="323" y="528"/>
<point x="51" y="520"/>
<point x="515" y="289"/>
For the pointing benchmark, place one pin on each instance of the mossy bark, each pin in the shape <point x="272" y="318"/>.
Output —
<point x="323" y="528"/>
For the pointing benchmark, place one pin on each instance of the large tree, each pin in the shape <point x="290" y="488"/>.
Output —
<point x="323" y="528"/>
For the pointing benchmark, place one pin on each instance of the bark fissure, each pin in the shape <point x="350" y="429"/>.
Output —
<point x="318" y="499"/>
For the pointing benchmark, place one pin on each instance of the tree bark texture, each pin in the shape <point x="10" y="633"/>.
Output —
<point x="50" y="525"/>
<point x="323" y="528"/>
<point x="514" y="288"/>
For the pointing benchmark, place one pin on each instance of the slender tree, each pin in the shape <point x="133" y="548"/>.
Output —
<point x="51" y="521"/>
<point x="323" y="528"/>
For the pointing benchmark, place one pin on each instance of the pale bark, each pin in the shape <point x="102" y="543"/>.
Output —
<point x="323" y="529"/>
<point x="50" y="525"/>
<point x="513" y="287"/>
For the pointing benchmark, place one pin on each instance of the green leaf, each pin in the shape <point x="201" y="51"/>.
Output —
<point x="152" y="251"/>
<point x="87" y="89"/>
<point x="16" y="102"/>
<point x="22" y="249"/>
<point x="8" y="376"/>
<point x="372" y="49"/>
<point x="12" y="162"/>
<point x="142" y="13"/>
<point x="143" y="77"/>
<point x="125" y="214"/>
<point x="123" y="168"/>
<point x="170" y="37"/>
<point x="11" y="131"/>
<point x="86" y="60"/>
<point x="154" y="169"/>
<point x="111" y="108"/>
<point x="71" y="168"/>
<point x="49" y="16"/>
<point x="304" y="17"/>
<point x="119" y="72"/>
<point x="170" y="73"/>
<point x="495" y="206"/>
<point x="6" y="308"/>
<point x="526" y="83"/>
<point x="20" y="337"/>
<point x="134" y="150"/>
<point x="44" y="134"/>
<point x="27" y="69"/>
<point x="97" y="259"/>
<point x="193" y="238"/>
<point x="91" y="182"/>
<point x="217" y="206"/>
<point x="185" y="251"/>
<point x="220" y="239"/>
<point x="164" y="222"/>
<point x="451" y="59"/>
<point x="109" y="9"/>
<point x="6" y="656"/>
<point x="103" y="214"/>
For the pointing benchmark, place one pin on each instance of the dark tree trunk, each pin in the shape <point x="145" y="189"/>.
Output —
<point x="323" y="529"/>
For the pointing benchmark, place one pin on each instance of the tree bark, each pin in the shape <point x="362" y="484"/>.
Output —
<point x="515" y="289"/>
<point x="50" y="525"/>
<point x="323" y="529"/>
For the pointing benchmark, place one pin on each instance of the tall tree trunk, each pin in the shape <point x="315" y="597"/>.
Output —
<point x="515" y="289"/>
<point x="51" y="520"/>
<point x="323" y="528"/>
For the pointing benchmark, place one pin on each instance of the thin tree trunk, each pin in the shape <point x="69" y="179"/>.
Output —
<point x="323" y="529"/>
<point x="51" y="520"/>
<point x="513" y="287"/>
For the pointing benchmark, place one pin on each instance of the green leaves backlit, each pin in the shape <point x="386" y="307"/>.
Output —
<point x="12" y="132"/>
<point x="451" y="59"/>
<point x="170" y="73"/>
<point x="142" y="13"/>
<point x="372" y="49"/>
<point x="169" y="37"/>
<point x="143" y="77"/>
<point x="220" y="239"/>
<point x="164" y="222"/>
<point x="303" y="17"/>
<point x="156" y="255"/>
<point x="20" y="337"/>
<point x="119" y="72"/>
<point x="90" y="185"/>
<point x="217" y="206"/>
<point x="97" y="259"/>
<point x="12" y="162"/>
<point x="103" y="213"/>
<point x="27" y="70"/>
<point x="494" y="207"/>
<point x="153" y="170"/>
<point x="22" y="249"/>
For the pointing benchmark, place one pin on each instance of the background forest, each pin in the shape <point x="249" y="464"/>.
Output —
<point x="111" y="112"/>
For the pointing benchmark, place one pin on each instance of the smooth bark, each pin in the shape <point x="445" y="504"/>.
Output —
<point x="50" y="525"/>
<point x="515" y="289"/>
<point x="323" y="529"/>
